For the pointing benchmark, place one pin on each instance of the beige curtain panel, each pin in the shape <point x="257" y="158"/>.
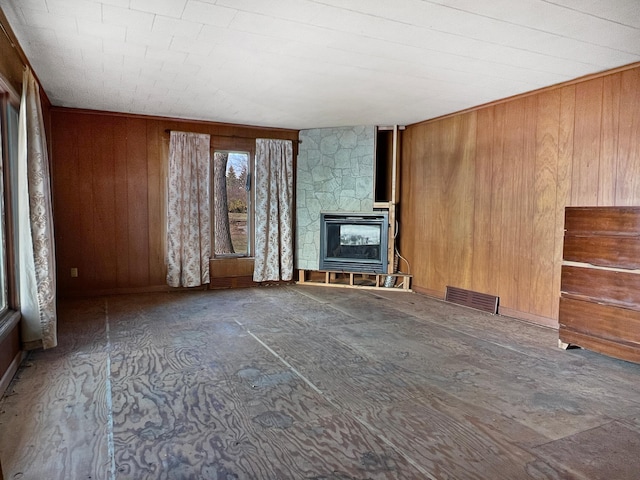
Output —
<point x="188" y="210"/>
<point x="35" y="224"/>
<point x="273" y="212"/>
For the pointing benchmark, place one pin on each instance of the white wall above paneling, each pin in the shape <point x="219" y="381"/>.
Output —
<point x="315" y="63"/>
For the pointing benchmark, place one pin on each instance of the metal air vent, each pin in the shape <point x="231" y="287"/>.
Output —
<point x="468" y="298"/>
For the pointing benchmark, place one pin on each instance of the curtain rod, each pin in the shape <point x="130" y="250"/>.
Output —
<point x="233" y="136"/>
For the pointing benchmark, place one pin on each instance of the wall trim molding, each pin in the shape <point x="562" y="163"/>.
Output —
<point x="83" y="111"/>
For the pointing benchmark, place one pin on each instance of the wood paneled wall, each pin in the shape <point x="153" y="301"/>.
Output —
<point x="12" y="59"/>
<point x="109" y="196"/>
<point x="483" y="192"/>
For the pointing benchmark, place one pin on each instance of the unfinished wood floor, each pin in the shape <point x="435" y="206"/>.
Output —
<point x="319" y="383"/>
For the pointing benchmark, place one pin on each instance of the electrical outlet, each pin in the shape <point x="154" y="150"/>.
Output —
<point x="74" y="272"/>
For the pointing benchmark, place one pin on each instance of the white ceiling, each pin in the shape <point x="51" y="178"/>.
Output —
<point x="315" y="63"/>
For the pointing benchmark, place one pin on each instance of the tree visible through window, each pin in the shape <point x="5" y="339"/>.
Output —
<point x="231" y="202"/>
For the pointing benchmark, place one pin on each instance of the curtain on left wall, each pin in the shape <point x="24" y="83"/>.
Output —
<point x="36" y="256"/>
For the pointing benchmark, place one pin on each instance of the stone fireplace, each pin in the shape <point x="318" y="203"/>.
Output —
<point x="334" y="174"/>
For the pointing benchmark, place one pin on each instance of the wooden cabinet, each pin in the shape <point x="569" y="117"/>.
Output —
<point x="600" y="287"/>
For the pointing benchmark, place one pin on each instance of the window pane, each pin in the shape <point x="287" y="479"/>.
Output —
<point x="231" y="198"/>
<point x="3" y="243"/>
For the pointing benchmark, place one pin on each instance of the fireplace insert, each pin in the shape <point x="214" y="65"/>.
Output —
<point x="354" y="242"/>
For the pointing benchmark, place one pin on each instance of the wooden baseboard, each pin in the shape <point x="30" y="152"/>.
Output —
<point x="529" y="317"/>
<point x="11" y="371"/>
<point x="506" y="312"/>
<point x="428" y="292"/>
<point x="127" y="290"/>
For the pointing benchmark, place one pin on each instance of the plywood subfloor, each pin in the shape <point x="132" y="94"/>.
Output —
<point x="313" y="383"/>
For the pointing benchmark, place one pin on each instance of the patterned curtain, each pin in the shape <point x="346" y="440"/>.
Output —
<point x="188" y="210"/>
<point x="36" y="254"/>
<point x="274" y="200"/>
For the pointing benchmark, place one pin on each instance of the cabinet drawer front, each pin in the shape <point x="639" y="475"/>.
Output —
<point x="620" y="252"/>
<point x="607" y="286"/>
<point x="602" y="221"/>
<point x="601" y="321"/>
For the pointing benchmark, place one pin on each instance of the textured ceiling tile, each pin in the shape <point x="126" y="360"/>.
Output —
<point x="626" y="12"/>
<point x="34" y="5"/>
<point x="188" y="45"/>
<point x="133" y="19"/>
<point x="71" y="40"/>
<point x="37" y="18"/>
<point x="106" y="32"/>
<point x="126" y="48"/>
<point x="208" y="13"/>
<point x="42" y="38"/>
<point x="165" y="55"/>
<point x="156" y="40"/>
<point x="173" y="26"/>
<point x="279" y="28"/>
<point x="115" y="3"/>
<point x="147" y="64"/>
<point x="86" y="10"/>
<point x="170" y="8"/>
<point x="182" y="70"/>
<point x="302" y="11"/>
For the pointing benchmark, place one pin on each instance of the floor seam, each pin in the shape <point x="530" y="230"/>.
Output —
<point x="109" y="397"/>
<point x="362" y="422"/>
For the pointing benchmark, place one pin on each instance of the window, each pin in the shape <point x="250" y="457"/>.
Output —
<point x="3" y="243"/>
<point x="232" y="205"/>
<point x="8" y="172"/>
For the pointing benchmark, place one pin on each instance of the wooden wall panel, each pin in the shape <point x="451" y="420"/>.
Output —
<point x="527" y="250"/>
<point x="65" y="181"/>
<point x="542" y="298"/>
<point x="586" y="151"/>
<point x="422" y="213"/>
<point x="563" y="182"/>
<point x="109" y="190"/>
<point x="12" y="59"/>
<point x="121" y="193"/>
<point x="512" y="197"/>
<point x="458" y="194"/>
<point x="532" y="156"/>
<point x="482" y="267"/>
<point x="497" y="198"/>
<point x="607" y="168"/>
<point x="157" y="158"/>
<point x="83" y="256"/>
<point x="104" y="206"/>
<point x="627" y="177"/>
<point x="138" y="208"/>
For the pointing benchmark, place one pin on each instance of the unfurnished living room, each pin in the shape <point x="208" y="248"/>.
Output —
<point x="319" y="239"/>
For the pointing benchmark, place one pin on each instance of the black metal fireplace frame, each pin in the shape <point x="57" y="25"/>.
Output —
<point x="345" y="264"/>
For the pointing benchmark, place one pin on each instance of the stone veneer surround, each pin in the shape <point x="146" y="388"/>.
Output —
<point x="334" y="174"/>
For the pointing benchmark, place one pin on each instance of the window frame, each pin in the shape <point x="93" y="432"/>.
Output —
<point x="235" y="145"/>
<point x="9" y="99"/>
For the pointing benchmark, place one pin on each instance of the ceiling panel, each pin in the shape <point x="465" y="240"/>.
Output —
<point x="315" y="63"/>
